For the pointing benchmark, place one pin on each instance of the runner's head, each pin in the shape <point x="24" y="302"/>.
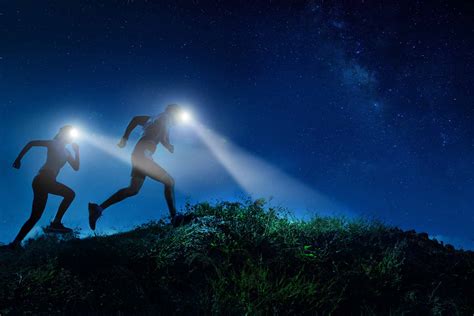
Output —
<point x="173" y="110"/>
<point x="65" y="134"/>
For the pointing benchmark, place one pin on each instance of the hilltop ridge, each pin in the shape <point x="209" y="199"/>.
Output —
<point x="238" y="258"/>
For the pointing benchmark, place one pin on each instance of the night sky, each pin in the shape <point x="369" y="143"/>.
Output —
<point x="369" y="104"/>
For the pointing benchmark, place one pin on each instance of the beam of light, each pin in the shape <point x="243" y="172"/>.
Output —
<point x="109" y="146"/>
<point x="260" y="179"/>
<point x="255" y="176"/>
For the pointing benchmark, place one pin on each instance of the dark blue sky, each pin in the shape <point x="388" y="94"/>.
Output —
<point x="369" y="104"/>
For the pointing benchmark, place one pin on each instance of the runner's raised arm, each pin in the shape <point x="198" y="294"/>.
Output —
<point x="137" y="120"/>
<point x="33" y="143"/>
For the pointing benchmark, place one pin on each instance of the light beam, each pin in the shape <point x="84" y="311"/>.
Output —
<point x="260" y="179"/>
<point x="255" y="176"/>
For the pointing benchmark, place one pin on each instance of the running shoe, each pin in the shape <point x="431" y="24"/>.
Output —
<point x="182" y="219"/>
<point x="58" y="228"/>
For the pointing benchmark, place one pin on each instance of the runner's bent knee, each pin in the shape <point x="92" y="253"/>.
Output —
<point x="132" y="191"/>
<point x="69" y="194"/>
<point x="169" y="181"/>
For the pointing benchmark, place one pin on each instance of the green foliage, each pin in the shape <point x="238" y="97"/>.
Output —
<point x="241" y="258"/>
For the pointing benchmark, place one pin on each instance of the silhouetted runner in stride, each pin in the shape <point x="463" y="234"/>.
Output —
<point x="155" y="131"/>
<point x="45" y="181"/>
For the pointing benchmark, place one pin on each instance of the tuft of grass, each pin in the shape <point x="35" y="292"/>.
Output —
<point x="241" y="258"/>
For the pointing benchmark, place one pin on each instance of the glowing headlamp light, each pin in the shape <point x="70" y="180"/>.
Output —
<point x="74" y="133"/>
<point x="185" y="117"/>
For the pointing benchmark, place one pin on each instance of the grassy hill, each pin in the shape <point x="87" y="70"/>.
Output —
<point x="241" y="258"/>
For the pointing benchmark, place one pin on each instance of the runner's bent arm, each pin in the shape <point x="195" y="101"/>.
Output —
<point x="165" y="141"/>
<point x="34" y="143"/>
<point x="137" y="120"/>
<point x="74" y="161"/>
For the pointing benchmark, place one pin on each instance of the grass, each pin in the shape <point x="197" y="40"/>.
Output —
<point x="241" y="258"/>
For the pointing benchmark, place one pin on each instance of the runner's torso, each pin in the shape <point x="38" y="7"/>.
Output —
<point x="56" y="158"/>
<point x="153" y="132"/>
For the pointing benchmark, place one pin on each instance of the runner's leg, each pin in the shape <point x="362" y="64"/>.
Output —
<point x="68" y="195"/>
<point x="136" y="184"/>
<point x="39" y="203"/>
<point x="157" y="173"/>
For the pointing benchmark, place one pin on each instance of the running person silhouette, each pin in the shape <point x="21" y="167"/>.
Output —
<point x="155" y="131"/>
<point x="45" y="181"/>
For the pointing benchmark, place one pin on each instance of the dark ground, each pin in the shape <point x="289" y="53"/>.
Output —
<point x="239" y="258"/>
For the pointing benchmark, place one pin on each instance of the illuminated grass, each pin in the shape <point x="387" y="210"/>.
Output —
<point x="241" y="258"/>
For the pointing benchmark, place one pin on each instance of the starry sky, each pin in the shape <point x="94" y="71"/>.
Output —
<point x="370" y="104"/>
